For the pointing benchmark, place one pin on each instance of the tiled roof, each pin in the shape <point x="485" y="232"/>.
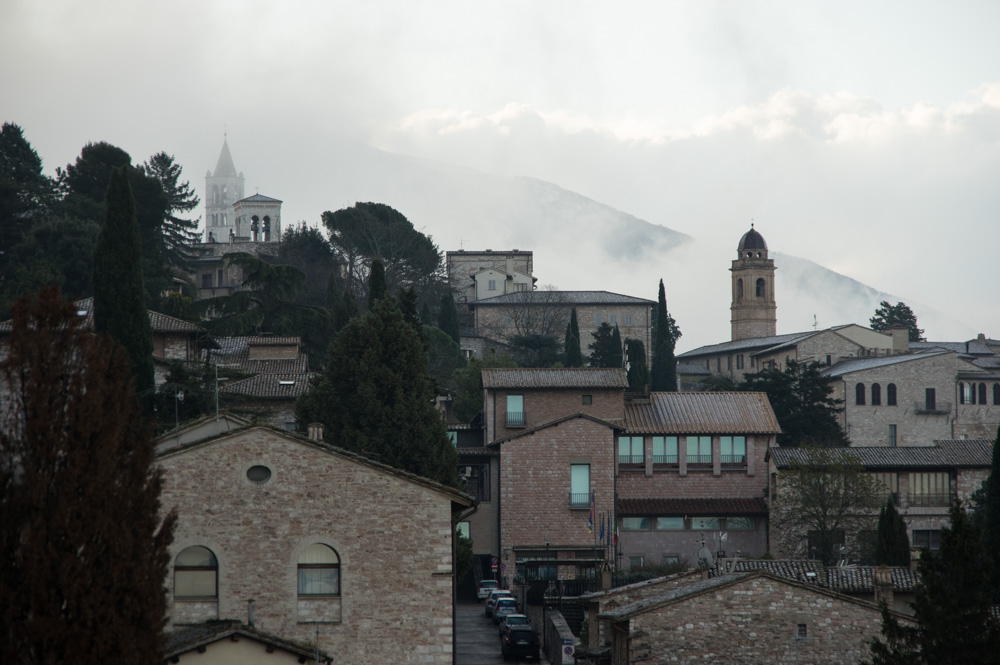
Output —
<point x="692" y="369"/>
<point x="846" y="579"/>
<point x="258" y="198"/>
<point x="946" y="453"/>
<point x="702" y="413"/>
<point x="720" y="507"/>
<point x="271" y="340"/>
<point x="860" y="364"/>
<point x="632" y="609"/>
<point x="160" y="323"/>
<point x="972" y="347"/>
<point x="287" y="386"/>
<point x="563" y="298"/>
<point x="555" y="377"/>
<point x="234" y="353"/>
<point x="861" y="579"/>
<point x="476" y="451"/>
<point x="189" y="638"/>
<point x="745" y="344"/>
<point x="800" y="570"/>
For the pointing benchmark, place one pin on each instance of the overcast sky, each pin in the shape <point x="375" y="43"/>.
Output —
<point x="863" y="136"/>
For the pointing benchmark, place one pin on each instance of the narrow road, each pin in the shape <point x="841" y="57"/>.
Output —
<point x="476" y="637"/>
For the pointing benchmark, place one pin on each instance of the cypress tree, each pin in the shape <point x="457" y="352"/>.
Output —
<point x="617" y="353"/>
<point x="664" y="374"/>
<point x="635" y="358"/>
<point x="574" y="356"/>
<point x="892" y="544"/>
<point x="377" y="286"/>
<point x="83" y="546"/>
<point x="119" y="309"/>
<point x="448" y="316"/>
<point x="602" y="349"/>
<point x="991" y="527"/>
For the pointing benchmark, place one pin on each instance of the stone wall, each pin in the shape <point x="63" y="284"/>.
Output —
<point x="393" y="538"/>
<point x="543" y="406"/>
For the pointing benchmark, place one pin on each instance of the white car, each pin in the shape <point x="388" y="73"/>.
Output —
<point x="492" y="598"/>
<point x="485" y="586"/>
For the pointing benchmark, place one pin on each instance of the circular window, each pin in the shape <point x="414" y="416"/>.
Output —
<point x="259" y="474"/>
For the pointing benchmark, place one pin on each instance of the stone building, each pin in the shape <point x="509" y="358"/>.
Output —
<point x="222" y="642"/>
<point x="333" y="549"/>
<point x="744" y="618"/>
<point x="921" y="481"/>
<point x="223" y="188"/>
<point x="474" y="275"/>
<point x="754" y="310"/>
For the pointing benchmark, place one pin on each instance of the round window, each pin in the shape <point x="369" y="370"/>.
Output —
<point x="259" y="474"/>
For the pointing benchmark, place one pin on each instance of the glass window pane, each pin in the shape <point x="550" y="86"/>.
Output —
<point x="318" y="553"/>
<point x="704" y="523"/>
<point x="635" y="524"/>
<point x="319" y="581"/>
<point x="194" y="584"/>
<point x="739" y="523"/>
<point x="658" y="446"/>
<point x="196" y="556"/>
<point x="515" y="403"/>
<point x="580" y="478"/>
<point x="669" y="523"/>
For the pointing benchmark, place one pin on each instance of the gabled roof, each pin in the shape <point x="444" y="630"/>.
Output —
<point x="274" y="340"/>
<point x="861" y="364"/>
<point x="234" y="353"/>
<point x="279" y="386"/>
<point x="563" y="298"/>
<point x="707" y="507"/>
<point x="552" y="423"/>
<point x="456" y="496"/>
<point x="160" y="323"/>
<point x="751" y="344"/>
<point x="258" y="198"/>
<point x="702" y="413"/>
<point x="976" y="453"/>
<point x="844" y="579"/>
<point x="554" y="377"/>
<point x="225" y="168"/>
<point x="973" y="347"/>
<point x="189" y="638"/>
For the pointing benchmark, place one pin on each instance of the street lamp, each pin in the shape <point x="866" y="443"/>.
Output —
<point x="178" y="398"/>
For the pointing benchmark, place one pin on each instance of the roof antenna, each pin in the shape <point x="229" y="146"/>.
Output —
<point x="815" y="323"/>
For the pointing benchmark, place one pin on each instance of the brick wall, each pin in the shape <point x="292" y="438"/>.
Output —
<point x="543" y="406"/>
<point x="393" y="538"/>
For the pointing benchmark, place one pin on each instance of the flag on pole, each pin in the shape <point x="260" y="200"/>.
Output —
<point x="602" y="529"/>
<point x="590" y="519"/>
<point x="616" y="533"/>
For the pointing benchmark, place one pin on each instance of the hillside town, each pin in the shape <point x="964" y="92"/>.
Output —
<point x="358" y="436"/>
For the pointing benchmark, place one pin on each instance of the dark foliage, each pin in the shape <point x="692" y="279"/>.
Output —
<point x="377" y="286"/>
<point x="83" y="547"/>
<point x="664" y="373"/>
<point x="635" y="361"/>
<point x="119" y="305"/>
<point x="468" y="384"/>
<point x="25" y="192"/>
<point x="186" y="394"/>
<point x="605" y="351"/>
<point x="892" y="545"/>
<point x="991" y="519"/>
<point x="802" y="402"/>
<point x="444" y="357"/>
<point x="305" y="248"/>
<point x="899" y="314"/>
<point x="574" y="355"/>
<point x="177" y="234"/>
<point x="535" y="350"/>
<point x="448" y="316"/>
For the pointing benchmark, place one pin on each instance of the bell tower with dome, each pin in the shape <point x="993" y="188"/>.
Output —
<point x="754" y="312"/>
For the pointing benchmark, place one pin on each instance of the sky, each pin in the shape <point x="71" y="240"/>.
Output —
<point x="862" y="136"/>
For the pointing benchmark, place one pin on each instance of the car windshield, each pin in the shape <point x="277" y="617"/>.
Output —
<point x="517" y="620"/>
<point x="505" y="602"/>
<point x="522" y="634"/>
<point x="488" y="584"/>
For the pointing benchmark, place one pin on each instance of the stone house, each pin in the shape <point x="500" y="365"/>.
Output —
<point x="922" y="482"/>
<point x="744" y="618"/>
<point x="333" y="548"/>
<point x="470" y="273"/>
<point x="691" y="472"/>
<point x="221" y="642"/>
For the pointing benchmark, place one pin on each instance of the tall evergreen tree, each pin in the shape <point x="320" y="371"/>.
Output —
<point x="119" y="307"/>
<point x="574" y="355"/>
<point x="803" y="402"/>
<point x="664" y="374"/>
<point x="603" y="351"/>
<point x="83" y="546"/>
<point x="448" y="316"/>
<point x="618" y="358"/>
<point x="376" y="397"/>
<point x="635" y="360"/>
<point x="892" y="545"/>
<point x="991" y="525"/>
<point x="951" y="606"/>
<point x="177" y="234"/>
<point x="468" y="384"/>
<point x="899" y="314"/>
<point x="377" y="286"/>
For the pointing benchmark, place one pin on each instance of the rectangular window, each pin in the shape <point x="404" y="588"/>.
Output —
<point x="739" y="361"/>
<point x="462" y="529"/>
<point x="929" y="539"/>
<point x="699" y="450"/>
<point x="453" y="437"/>
<point x="506" y="319"/>
<point x="930" y="400"/>
<point x="515" y="411"/>
<point x="729" y="363"/>
<point x="635" y="524"/>
<point x="705" y="523"/>
<point x="664" y="450"/>
<point x="520" y="287"/>
<point x="597" y="319"/>
<point x="669" y="523"/>
<point x="635" y="562"/>
<point x="733" y="449"/>
<point x="630" y="450"/>
<point x="892" y="435"/>
<point x="219" y="276"/>
<point x="628" y="319"/>
<point x="739" y="524"/>
<point x="671" y="559"/>
<point x="477" y="480"/>
<point x="930" y="489"/>
<point x="579" y="485"/>
<point x="801" y="632"/>
<point x="206" y="281"/>
<point x="492" y="285"/>
<point x="888" y="484"/>
<point x="613" y="319"/>
<point x="587" y="400"/>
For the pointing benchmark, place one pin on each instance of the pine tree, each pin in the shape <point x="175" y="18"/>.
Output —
<point x="892" y="544"/>
<point x="83" y="547"/>
<point x="618" y="350"/>
<point x="991" y="527"/>
<point x="468" y="384"/>
<point x="377" y="286"/>
<point x="376" y="397"/>
<point x="448" y="316"/>
<point x="119" y="308"/>
<point x="664" y="374"/>
<point x="602" y="349"/>
<point x="177" y="234"/>
<point x="574" y="356"/>
<point x="635" y="359"/>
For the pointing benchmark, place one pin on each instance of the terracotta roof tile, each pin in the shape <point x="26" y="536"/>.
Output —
<point x="947" y="453"/>
<point x="566" y="298"/>
<point x="287" y="386"/>
<point x="557" y="377"/>
<point x="160" y="323"/>
<point x="702" y="413"/>
<point x="720" y="507"/>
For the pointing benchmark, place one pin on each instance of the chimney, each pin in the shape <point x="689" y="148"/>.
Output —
<point x="900" y="339"/>
<point x="510" y="265"/>
<point x="250" y="617"/>
<point x="316" y="431"/>
<point x="883" y="585"/>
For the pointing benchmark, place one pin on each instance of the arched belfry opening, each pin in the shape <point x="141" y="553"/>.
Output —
<point x="754" y="316"/>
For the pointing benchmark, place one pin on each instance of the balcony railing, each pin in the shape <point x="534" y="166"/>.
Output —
<point x="515" y="419"/>
<point x="580" y="500"/>
<point x="934" y="407"/>
<point x="938" y="499"/>
<point x="734" y="459"/>
<point x="699" y="459"/>
<point x="664" y="459"/>
<point x="631" y="459"/>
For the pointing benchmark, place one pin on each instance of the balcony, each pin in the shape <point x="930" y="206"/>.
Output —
<point x="705" y="460"/>
<point x="516" y="419"/>
<point x="631" y="460"/>
<point x="938" y="499"/>
<point x="734" y="459"/>
<point x="665" y="459"/>
<point x="936" y="407"/>
<point x="578" y="501"/>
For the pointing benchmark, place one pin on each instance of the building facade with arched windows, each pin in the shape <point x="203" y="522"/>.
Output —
<point x="327" y="545"/>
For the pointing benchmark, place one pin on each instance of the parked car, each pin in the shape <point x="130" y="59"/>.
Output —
<point x="485" y="586"/>
<point x="520" y="642"/>
<point x="492" y="597"/>
<point x="502" y="607"/>
<point x="511" y="620"/>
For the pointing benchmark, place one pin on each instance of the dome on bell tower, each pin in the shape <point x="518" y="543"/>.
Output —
<point x="752" y="240"/>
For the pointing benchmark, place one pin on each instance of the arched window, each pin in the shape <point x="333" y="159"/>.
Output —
<point x="761" y="289"/>
<point x="890" y="394"/>
<point x="739" y="289"/>
<point x="319" y="571"/>
<point x="982" y="393"/>
<point x="196" y="573"/>
<point x="996" y="393"/>
<point x="876" y="395"/>
<point x="859" y="394"/>
<point x="961" y="393"/>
